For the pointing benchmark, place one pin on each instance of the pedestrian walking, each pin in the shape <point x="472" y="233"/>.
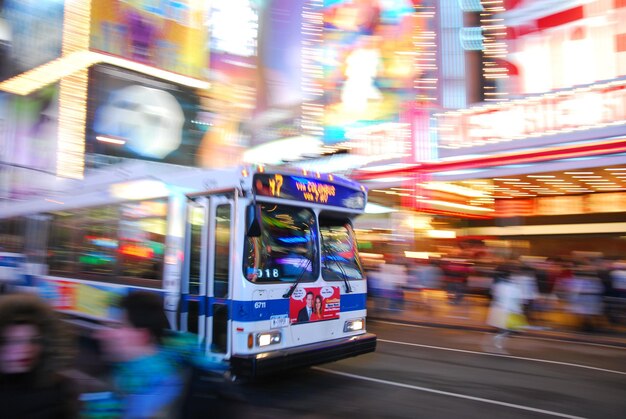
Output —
<point x="145" y="381"/>
<point x="618" y="293"/>
<point x="585" y="297"/>
<point x="526" y="280"/>
<point x="156" y="368"/>
<point x="505" y="311"/>
<point x="456" y="272"/>
<point x="394" y="278"/>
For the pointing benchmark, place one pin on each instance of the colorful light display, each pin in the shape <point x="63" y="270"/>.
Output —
<point x="369" y="55"/>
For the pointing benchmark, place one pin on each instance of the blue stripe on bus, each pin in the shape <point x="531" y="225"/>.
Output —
<point x="11" y="261"/>
<point x="203" y="307"/>
<point x="352" y="302"/>
<point x="184" y="303"/>
<point x="252" y="311"/>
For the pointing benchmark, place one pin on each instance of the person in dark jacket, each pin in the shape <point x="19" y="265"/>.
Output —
<point x="32" y="351"/>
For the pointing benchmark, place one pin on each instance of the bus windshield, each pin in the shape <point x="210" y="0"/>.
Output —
<point x="286" y="250"/>
<point x="340" y="259"/>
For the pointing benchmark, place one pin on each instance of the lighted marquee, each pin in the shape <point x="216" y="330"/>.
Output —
<point x="577" y="109"/>
<point x="306" y="189"/>
<point x="607" y="202"/>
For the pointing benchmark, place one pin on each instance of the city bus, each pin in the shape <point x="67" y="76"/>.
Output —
<point x="261" y="263"/>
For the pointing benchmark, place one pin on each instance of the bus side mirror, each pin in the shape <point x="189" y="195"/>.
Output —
<point x="253" y="221"/>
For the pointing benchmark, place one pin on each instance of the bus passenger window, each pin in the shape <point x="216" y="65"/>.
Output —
<point x="222" y="251"/>
<point x="141" y="235"/>
<point x="12" y="235"/>
<point x="196" y="217"/>
<point x="62" y="244"/>
<point x="97" y="252"/>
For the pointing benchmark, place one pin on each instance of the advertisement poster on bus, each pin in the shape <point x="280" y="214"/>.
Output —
<point x="314" y="304"/>
<point x="91" y="300"/>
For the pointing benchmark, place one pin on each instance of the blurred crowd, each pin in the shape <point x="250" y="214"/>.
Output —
<point x="151" y="372"/>
<point x="589" y="292"/>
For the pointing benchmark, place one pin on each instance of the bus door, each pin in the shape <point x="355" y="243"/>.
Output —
<point x="209" y="250"/>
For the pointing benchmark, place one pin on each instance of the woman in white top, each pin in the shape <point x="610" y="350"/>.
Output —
<point x="506" y="304"/>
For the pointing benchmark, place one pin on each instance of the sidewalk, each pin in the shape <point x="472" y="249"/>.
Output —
<point x="433" y="309"/>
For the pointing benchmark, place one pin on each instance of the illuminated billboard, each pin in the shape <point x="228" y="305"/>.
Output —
<point x="134" y="116"/>
<point x="167" y="35"/>
<point x="368" y="63"/>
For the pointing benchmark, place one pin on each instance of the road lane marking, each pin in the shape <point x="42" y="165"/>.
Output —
<point x="446" y="393"/>
<point x="568" y="364"/>
<point x="418" y="326"/>
<point x="576" y="342"/>
<point x="549" y="339"/>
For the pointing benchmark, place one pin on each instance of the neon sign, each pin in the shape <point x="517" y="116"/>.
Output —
<point x="314" y="191"/>
<point x="595" y="106"/>
<point x="306" y="189"/>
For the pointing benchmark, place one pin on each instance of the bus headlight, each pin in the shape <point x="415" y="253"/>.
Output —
<point x="268" y="338"/>
<point x="354" y="325"/>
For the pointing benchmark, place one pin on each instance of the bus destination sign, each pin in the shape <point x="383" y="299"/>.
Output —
<point x="301" y="188"/>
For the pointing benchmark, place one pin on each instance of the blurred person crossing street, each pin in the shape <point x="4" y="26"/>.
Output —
<point x="506" y="310"/>
<point x="617" y="301"/>
<point x="524" y="276"/>
<point x="585" y="297"/>
<point x="424" y="277"/>
<point x="456" y="272"/>
<point x="393" y="280"/>
<point x="153" y="369"/>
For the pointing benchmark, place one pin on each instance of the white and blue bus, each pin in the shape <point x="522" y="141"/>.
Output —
<point x="261" y="264"/>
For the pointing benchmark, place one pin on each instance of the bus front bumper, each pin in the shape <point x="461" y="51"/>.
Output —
<point x="266" y="363"/>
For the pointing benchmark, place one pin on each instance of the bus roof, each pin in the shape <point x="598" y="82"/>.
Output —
<point x="134" y="180"/>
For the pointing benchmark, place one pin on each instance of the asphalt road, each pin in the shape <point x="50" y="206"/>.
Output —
<point x="423" y="372"/>
<point x="420" y="372"/>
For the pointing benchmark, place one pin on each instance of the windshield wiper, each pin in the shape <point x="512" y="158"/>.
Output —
<point x="295" y="284"/>
<point x="344" y="275"/>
